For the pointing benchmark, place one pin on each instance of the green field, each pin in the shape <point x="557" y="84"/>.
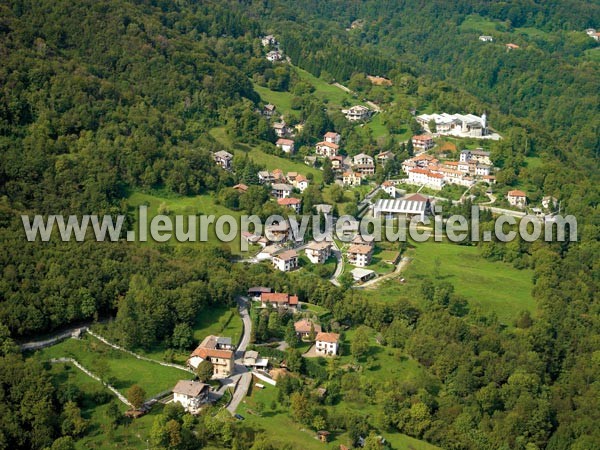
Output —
<point x="270" y="162"/>
<point x="476" y="23"/>
<point x="282" y="100"/>
<point x="219" y="321"/>
<point x="490" y="286"/>
<point x="131" y="436"/>
<point x="192" y="205"/>
<point x="119" y="368"/>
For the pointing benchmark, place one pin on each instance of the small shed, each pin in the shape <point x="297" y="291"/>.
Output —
<point x="323" y="435"/>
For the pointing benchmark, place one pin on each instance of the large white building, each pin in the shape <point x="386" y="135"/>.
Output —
<point x="357" y="112"/>
<point x="427" y="178"/>
<point x="415" y="205"/>
<point x="462" y="125"/>
<point x="327" y="343"/>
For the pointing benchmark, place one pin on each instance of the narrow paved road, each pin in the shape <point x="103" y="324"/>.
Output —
<point x="339" y="268"/>
<point x="399" y="268"/>
<point x="241" y="376"/>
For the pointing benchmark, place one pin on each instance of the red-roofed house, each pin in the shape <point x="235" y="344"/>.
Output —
<point x="218" y="351"/>
<point x="291" y="202"/>
<point x="425" y="177"/>
<point x="304" y="326"/>
<point x="286" y="261"/>
<point x="332" y="137"/>
<point x="327" y="149"/>
<point x="422" y="142"/>
<point x="286" y="145"/>
<point x="327" y="343"/>
<point x="360" y="255"/>
<point x="517" y="198"/>
<point x="279" y="300"/>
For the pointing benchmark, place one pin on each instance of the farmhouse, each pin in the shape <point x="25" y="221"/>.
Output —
<point x="286" y="145"/>
<point x="285" y="261"/>
<point x="389" y="188"/>
<point x="274" y="55"/>
<point x="327" y="343"/>
<point x="318" y="252"/>
<point x="357" y="112"/>
<point x="279" y="300"/>
<point x="517" y="198"/>
<point x="190" y="394"/>
<point x="217" y="350"/>
<point x="223" y="159"/>
<point x="269" y="110"/>
<point x="384" y="157"/>
<point x="304" y="326"/>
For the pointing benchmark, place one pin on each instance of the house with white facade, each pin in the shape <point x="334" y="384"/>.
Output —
<point x="219" y="351"/>
<point x="286" y="260"/>
<point x="279" y="300"/>
<point x="301" y="183"/>
<point x="357" y="112"/>
<point x="328" y="149"/>
<point x="274" y="56"/>
<point x="351" y="179"/>
<point x="362" y="159"/>
<point x="268" y="40"/>
<point x="360" y="255"/>
<point x="327" y="343"/>
<point x="478" y="155"/>
<point x="281" y="129"/>
<point x="290" y="202"/>
<point x="281" y="190"/>
<point x="425" y="177"/>
<point x="422" y="142"/>
<point x="517" y="198"/>
<point x="223" y="159"/>
<point x="285" y="145"/>
<point x="332" y="137"/>
<point x="190" y="394"/>
<point x="485" y="38"/>
<point x="460" y="125"/>
<point x="389" y="188"/>
<point x="318" y="252"/>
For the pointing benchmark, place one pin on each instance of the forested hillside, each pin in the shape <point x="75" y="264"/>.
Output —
<point x="99" y="99"/>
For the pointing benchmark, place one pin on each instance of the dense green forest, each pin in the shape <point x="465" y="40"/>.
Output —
<point x="101" y="98"/>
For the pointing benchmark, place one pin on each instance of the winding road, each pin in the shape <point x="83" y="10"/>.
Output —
<point x="241" y="376"/>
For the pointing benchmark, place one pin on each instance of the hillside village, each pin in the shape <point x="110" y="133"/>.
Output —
<point x="280" y="340"/>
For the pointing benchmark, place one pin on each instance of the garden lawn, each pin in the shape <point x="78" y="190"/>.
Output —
<point x="119" y="368"/>
<point x="219" y="321"/>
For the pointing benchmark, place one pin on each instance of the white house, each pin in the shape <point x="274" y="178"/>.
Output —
<point x="478" y="155"/>
<point x="286" y="261"/>
<point x="425" y="177"/>
<point x="332" y="137"/>
<point x="190" y="394"/>
<point x="301" y="183"/>
<point x="223" y="159"/>
<point x="327" y="343"/>
<point x="328" y="149"/>
<point x="281" y="190"/>
<point x="286" y="145"/>
<point x="485" y="38"/>
<point x="422" y="142"/>
<point x="462" y="125"/>
<point x="351" y="179"/>
<point x="360" y="255"/>
<point x="389" y="188"/>
<point x="280" y="129"/>
<point x="291" y="202"/>
<point x="279" y="300"/>
<point x="274" y="55"/>
<point x="517" y="198"/>
<point x="357" y="112"/>
<point x="268" y="40"/>
<point x="363" y="159"/>
<point x="318" y="252"/>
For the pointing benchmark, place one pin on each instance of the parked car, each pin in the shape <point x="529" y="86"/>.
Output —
<point x="239" y="417"/>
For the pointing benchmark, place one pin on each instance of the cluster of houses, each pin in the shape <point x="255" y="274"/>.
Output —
<point x="275" y="54"/>
<point x="283" y="184"/>
<point x="426" y="170"/>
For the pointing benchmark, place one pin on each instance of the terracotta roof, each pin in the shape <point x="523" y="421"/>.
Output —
<point x="517" y="193"/>
<point x="313" y="245"/>
<point x="361" y="249"/>
<point x="283" y="141"/>
<point x="387" y="183"/>
<point x="328" y="337"/>
<point x="331" y="134"/>
<point x="303" y="326"/>
<point x="258" y="289"/>
<point x="288" y="201"/>
<point x="328" y="144"/>
<point x="300" y="178"/>
<point x="287" y="255"/>
<point x="422" y="137"/>
<point x="423" y="156"/>
<point x="190" y="388"/>
<point x="512" y="45"/>
<point x="241" y="187"/>
<point x="277" y="297"/>
<point x="205" y="353"/>
<point x="429" y="173"/>
<point x="416" y="198"/>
